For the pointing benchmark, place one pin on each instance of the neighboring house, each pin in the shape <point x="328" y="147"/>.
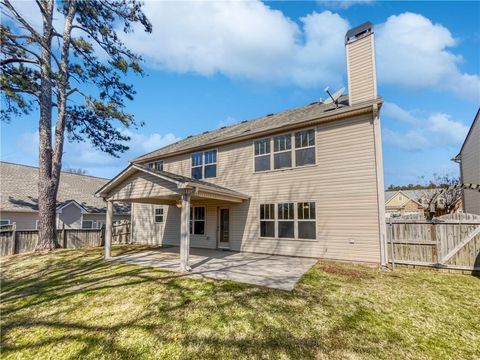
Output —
<point x="77" y="206"/>
<point x="305" y="182"/>
<point x="469" y="160"/>
<point x="399" y="203"/>
<point x="422" y="202"/>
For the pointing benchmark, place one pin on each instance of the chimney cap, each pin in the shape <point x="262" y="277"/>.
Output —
<point x="358" y="32"/>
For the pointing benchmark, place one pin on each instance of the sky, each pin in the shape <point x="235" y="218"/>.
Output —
<point x="210" y="64"/>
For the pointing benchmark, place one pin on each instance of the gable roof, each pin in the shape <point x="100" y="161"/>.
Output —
<point x="271" y="122"/>
<point x="19" y="190"/>
<point x="179" y="180"/>
<point x="459" y="155"/>
<point x="415" y="195"/>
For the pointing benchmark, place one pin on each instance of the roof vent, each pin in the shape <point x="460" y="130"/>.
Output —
<point x="246" y="130"/>
<point x="205" y="132"/>
<point x="313" y="103"/>
<point x="244" y="121"/>
<point x="271" y="114"/>
<point x="223" y="127"/>
<point x="189" y="136"/>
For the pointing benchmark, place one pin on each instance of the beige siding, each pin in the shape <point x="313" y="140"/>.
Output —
<point x="141" y="185"/>
<point x="361" y="70"/>
<point x="342" y="183"/>
<point x="70" y="217"/>
<point x="24" y="220"/>
<point x="471" y="169"/>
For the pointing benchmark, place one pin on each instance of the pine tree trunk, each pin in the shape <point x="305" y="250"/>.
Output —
<point x="47" y="189"/>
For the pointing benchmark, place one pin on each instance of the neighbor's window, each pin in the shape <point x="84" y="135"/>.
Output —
<point x="4" y="222"/>
<point x="306" y="220"/>
<point x="262" y="155"/>
<point x="159" y="215"/>
<point x="267" y="220"/>
<point x="87" y="224"/>
<point x="305" y="147"/>
<point x="204" y="164"/>
<point x="286" y="220"/>
<point x="282" y="151"/>
<point x="197" y="220"/>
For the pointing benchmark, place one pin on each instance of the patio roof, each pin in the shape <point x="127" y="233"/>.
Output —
<point x="201" y="189"/>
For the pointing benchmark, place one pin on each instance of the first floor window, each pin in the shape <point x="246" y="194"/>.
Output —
<point x="286" y="220"/>
<point x="159" y="215"/>
<point x="87" y="224"/>
<point x="306" y="220"/>
<point x="197" y="220"/>
<point x="267" y="220"/>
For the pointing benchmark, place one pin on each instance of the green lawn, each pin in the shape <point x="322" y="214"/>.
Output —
<point x="70" y="304"/>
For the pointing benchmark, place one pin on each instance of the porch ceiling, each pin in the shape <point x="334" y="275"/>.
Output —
<point x="139" y="184"/>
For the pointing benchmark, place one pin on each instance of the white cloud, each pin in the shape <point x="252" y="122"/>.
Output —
<point x="437" y="130"/>
<point x="242" y="39"/>
<point x="83" y="155"/>
<point x="413" y="52"/>
<point x="343" y="4"/>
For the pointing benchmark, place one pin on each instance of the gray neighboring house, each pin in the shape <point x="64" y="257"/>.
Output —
<point x="469" y="161"/>
<point x="77" y="206"/>
<point x="303" y="182"/>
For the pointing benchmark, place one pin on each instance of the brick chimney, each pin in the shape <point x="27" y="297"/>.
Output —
<point x="362" y="78"/>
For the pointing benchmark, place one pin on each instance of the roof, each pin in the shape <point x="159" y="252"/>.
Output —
<point x="179" y="180"/>
<point x="250" y="128"/>
<point x="459" y="156"/>
<point x="19" y="190"/>
<point x="415" y="195"/>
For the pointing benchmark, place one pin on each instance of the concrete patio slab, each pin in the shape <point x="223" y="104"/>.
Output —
<point x="278" y="272"/>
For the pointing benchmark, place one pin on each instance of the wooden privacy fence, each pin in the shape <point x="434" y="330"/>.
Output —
<point x="449" y="241"/>
<point x="14" y="241"/>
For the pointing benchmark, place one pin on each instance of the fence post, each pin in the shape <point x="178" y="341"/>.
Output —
<point x="391" y="243"/>
<point x="14" y="238"/>
<point x="64" y="237"/>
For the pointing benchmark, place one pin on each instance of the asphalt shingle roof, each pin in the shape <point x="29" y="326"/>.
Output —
<point x="18" y="190"/>
<point x="269" y="122"/>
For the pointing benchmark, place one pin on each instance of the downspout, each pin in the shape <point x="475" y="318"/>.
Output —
<point x="380" y="186"/>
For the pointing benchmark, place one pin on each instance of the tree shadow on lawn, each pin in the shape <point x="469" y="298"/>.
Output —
<point x="67" y="275"/>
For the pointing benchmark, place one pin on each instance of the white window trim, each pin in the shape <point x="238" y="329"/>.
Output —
<point x="203" y="163"/>
<point x="162" y="214"/>
<point x="292" y="149"/>
<point x="274" y="220"/>
<point x="192" y="211"/>
<point x="295" y="220"/>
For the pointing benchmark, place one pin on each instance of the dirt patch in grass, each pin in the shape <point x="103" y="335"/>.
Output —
<point x="342" y="269"/>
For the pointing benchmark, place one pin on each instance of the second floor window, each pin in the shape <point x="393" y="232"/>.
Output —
<point x="204" y="164"/>
<point x="157" y="165"/>
<point x="262" y="155"/>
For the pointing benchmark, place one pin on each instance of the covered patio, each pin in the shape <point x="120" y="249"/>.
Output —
<point x="273" y="271"/>
<point x="139" y="184"/>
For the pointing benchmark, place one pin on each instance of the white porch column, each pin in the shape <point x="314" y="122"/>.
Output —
<point x="108" y="230"/>
<point x="185" y="232"/>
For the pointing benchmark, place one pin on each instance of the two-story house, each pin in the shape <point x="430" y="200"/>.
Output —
<point x="305" y="182"/>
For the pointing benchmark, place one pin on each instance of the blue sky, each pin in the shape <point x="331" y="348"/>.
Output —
<point x="211" y="64"/>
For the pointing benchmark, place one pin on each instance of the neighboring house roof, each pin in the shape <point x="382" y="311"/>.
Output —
<point x="415" y="195"/>
<point x="179" y="180"/>
<point x="459" y="156"/>
<point x="19" y="190"/>
<point x="270" y="122"/>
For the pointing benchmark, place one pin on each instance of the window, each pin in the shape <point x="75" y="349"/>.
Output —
<point x="158" y="215"/>
<point x="305" y="147"/>
<point x="204" y="164"/>
<point x="197" y="220"/>
<point x="262" y="155"/>
<point x="87" y="224"/>
<point x="286" y="220"/>
<point x="4" y="222"/>
<point x="267" y="220"/>
<point x="306" y="220"/>
<point x="157" y="165"/>
<point x="282" y="151"/>
<point x="292" y="220"/>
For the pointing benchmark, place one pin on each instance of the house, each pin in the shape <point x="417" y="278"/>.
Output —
<point x="77" y="206"/>
<point x="469" y="160"/>
<point x="304" y="182"/>
<point x="403" y="202"/>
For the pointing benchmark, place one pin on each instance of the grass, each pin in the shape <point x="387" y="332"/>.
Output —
<point x="69" y="304"/>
